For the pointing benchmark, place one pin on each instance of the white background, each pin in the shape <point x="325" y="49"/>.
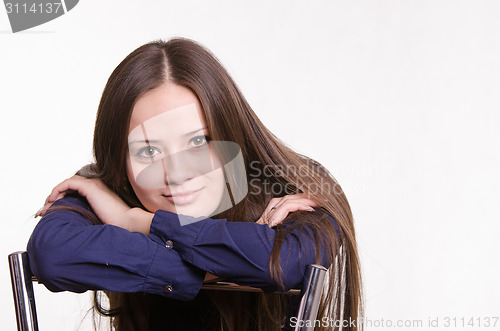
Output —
<point x="399" y="99"/>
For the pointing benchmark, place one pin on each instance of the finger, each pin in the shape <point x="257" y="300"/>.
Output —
<point x="309" y="202"/>
<point x="42" y="210"/>
<point x="304" y="196"/>
<point x="282" y="212"/>
<point x="74" y="183"/>
<point x="56" y="191"/>
<point x="264" y="220"/>
<point x="39" y="212"/>
<point x="47" y="204"/>
<point x="274" y="203"/>
<point x="55" y="195"/>
<point x="298" y="196"/>
<point x="278" y="219"/>
<point x="293" y="202"/>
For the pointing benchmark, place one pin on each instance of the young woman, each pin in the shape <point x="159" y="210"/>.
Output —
<point x="189" y="185"/>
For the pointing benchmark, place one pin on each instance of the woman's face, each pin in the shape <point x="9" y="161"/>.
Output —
<point x="170" y="164"/>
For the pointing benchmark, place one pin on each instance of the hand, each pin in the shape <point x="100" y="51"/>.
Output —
<point x="108" y="206"/>
<point x="278" y="208"/>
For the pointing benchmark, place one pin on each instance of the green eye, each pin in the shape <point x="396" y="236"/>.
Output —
<point x="198" y="141"/>
<point x="148" y="152"/>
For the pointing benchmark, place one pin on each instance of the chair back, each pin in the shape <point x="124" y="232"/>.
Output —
<point x="24" y="297"/>
<point x="22" y="288"/>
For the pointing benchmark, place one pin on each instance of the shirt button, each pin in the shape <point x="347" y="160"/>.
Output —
<point x="169" y="244"/>
<point x="168" y="289"/>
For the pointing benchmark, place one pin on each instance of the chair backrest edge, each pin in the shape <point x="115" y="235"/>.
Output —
<point x="22" y="289"/>
<point x="312" y="291"/>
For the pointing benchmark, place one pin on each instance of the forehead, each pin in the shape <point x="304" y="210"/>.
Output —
<point x="169" y="104"/>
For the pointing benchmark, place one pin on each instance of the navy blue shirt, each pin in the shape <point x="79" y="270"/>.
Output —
<point x="67" y="252"/>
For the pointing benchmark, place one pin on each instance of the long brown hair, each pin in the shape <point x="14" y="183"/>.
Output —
<point x="269" y="163"/>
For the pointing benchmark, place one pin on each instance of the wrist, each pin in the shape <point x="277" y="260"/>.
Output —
<point x="139" y="220"/>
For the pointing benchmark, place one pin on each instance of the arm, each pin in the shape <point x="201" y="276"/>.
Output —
<point x="238" y="251"/>
<point x="68" y="253"/>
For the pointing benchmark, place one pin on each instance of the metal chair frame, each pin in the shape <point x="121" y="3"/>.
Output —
<point x="24" y="298"/>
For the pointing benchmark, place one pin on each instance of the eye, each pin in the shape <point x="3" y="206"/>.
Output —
<point x="198" y="141"/>
<point x="148" y="152"/>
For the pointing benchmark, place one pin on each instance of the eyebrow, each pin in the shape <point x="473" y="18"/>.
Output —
<point x="190" y="133"/>
<point x="147" y="141"/>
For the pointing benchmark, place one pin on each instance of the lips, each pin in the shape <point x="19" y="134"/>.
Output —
<point x="183" y="198"/>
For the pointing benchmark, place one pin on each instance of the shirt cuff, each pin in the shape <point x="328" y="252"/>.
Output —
<point x="178" y="232"/>
<point x="171" y="277"/>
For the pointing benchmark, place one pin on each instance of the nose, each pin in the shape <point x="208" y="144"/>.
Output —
<point x="178" y="168"/>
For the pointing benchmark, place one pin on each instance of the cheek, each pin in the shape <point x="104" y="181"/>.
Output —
<point x="144" y="195"/>
<point x="217" y="184"/>
<point x="150" y="198"/>
<point x="128" y="170"/>
<point x="216" y="177"/>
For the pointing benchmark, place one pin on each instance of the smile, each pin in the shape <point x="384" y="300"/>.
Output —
<point x="183" y="198"/>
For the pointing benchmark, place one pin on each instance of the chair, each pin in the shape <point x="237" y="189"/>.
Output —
<point x="24" y="299"/>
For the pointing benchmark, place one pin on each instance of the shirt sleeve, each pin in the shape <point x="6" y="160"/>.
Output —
<point x="237" y="251"/>
<point x="68" y="253"/>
